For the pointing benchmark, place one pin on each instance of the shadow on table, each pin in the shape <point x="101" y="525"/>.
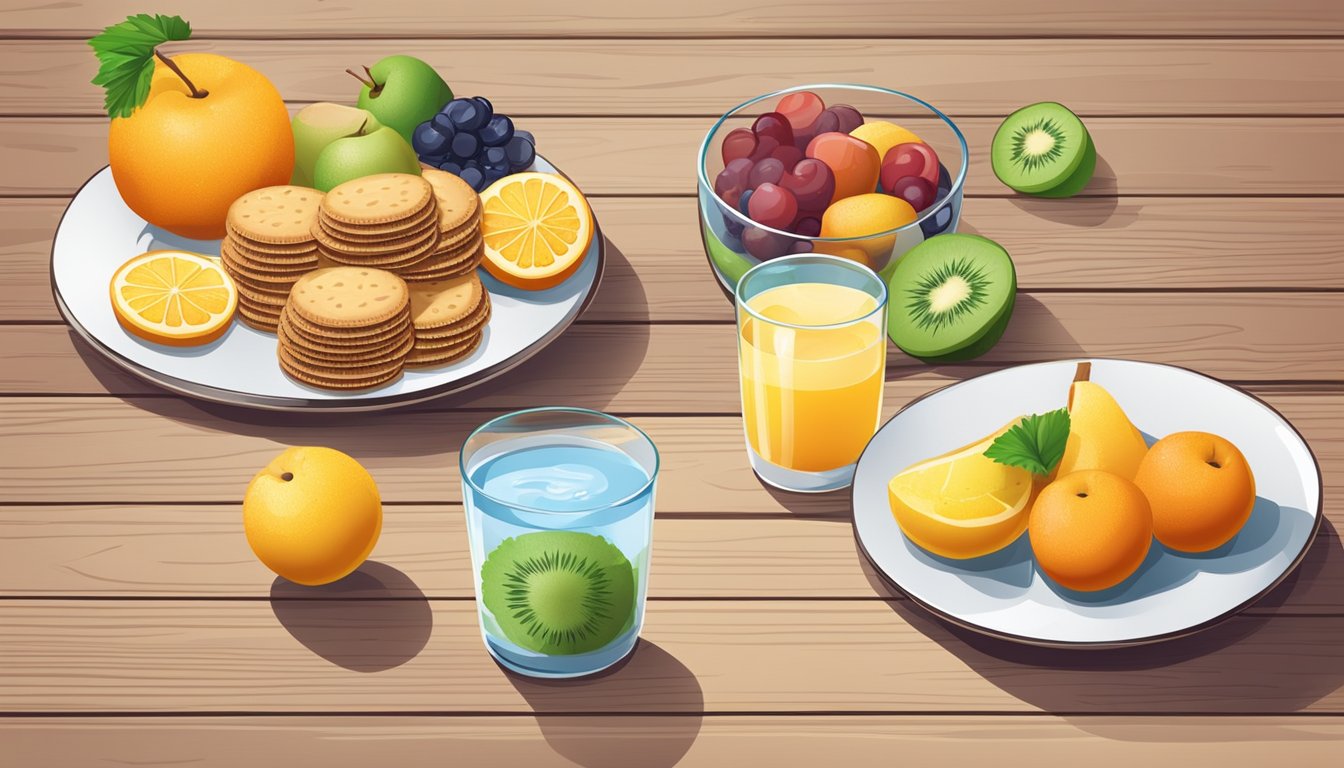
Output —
<point x="1103" y="209"/>
<point x="374" y="619"/>
<point x="649" y="679"/>
<point x="1249" y="663"/>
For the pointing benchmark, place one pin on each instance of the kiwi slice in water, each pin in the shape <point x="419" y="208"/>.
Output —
<point x="559" y="592"/>
<point x="1039" y="147"/>
<point x="951" y="297"/>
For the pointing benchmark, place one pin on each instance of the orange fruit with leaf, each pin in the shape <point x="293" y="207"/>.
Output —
<point x="205" y="130"/>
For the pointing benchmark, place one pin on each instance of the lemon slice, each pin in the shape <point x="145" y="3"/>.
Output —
<point x="962" y="504"/>
<point x="536" y="228"/>
<point x="174" y="297"/>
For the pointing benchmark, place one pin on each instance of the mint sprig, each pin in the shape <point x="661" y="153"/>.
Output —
<point x="1036" y="443"/>
<point x="126" y="53"/>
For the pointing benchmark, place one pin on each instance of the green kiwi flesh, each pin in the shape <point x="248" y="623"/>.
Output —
<point x="1038" y="147"/>
<point x="950" y="297"/>
<point x="559" y="592"/>
<point x="1075" y="183"/>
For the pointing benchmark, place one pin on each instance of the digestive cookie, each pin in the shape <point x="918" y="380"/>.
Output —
<point x="427" y="217"/>
<point x="458" y="202"/>
<point x="431" y="269"/>
<point x="272" y="298"/>
<point x="383" y="198"/>
<point x="441" y="303"/>
<point x="261" y="320"/>
<point x="437" y="357"/>
<point x="454" y="333"/>
<point x="391" y="245"/>
<point x="244" y="273"/>
<point x="382" y="355"/>
<point x="304" y="375"/>
<point x="349" y="297"/>
<point x="263" y="262"/>
<point x="279" y="215"/>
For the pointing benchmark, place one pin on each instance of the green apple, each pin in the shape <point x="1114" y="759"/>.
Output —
<point x="316" y="126"/>
<point x="364" y="154"/>
<point x="403" y="92"/>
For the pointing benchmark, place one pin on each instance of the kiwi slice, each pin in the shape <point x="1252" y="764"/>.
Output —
<point x="1038" y="148"/>
<point x="951" y="297"/>
<point x="1075" y="183"/>
<point x="559" y="592"/>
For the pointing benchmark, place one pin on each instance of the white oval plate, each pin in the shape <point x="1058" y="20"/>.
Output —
<point x="1172" y="594"/>
<point x="98" y="234"/>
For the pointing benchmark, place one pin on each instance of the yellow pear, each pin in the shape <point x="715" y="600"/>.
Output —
<point x="1101" y="436"/>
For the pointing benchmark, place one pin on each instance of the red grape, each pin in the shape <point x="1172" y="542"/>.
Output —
<point x="915" y="190"/>
<point x="812" y="183"/>
<point x="788" y="155"/>
<point x="765" y="245"/>
<point x="910" y="159"/>
<point x="775" y="126"/>
<point x="808" y="226"/>
<point x="740" y="142"/>
<point x="849" y="117"/>
<point x="802" y="109"/>
<point x="767" y="170"/>
<point x="773" y="206"/>
<point x="732" y="181"/>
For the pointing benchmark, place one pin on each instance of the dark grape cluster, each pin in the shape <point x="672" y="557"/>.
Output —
<point x="468" y="139"/>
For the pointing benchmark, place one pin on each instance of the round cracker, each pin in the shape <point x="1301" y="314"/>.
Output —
<point x="445" y="336"/>
<point x="444" y="356"/>
<point x="382" y="355"/>
<point x="279" y="215"/>
<point x="338" y="372"/>
<point x="266" y="261"/>
<point x="349" y="297"/>
<point x="440" y="303"/>
<point x="256" y="296"/>
<point x="458" y="202"/>
<point x="428" y="217"/>
<point x="324" y="383"/>
<point x="387" y="246"/>
<point x="382" y="198"/>
<point x="306" y="329"/>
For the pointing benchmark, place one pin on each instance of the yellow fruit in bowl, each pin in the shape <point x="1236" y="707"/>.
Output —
<point x="859" y="216"/>
<point x="312" y="515"/>
<point x="963" y="504"/>
<point x="884" y="135"/>
<point x="179" y="161"/>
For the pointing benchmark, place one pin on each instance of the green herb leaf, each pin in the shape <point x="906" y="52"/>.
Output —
<point x="1036" y="443"/>
<point x="125" y="54"/>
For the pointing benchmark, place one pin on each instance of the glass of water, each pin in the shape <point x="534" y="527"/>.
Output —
<point x="559" y="505"/>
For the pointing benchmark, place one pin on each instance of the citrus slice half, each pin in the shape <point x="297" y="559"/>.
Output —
<point x="536" y="228"/>
<point x="174" y="297"/>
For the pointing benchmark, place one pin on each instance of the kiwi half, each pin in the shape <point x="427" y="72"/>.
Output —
<point x="1039" y="147"/>
<point x="951" y="297"/>
<point x="1075" y="183"/>
<point x="559" y="592"/>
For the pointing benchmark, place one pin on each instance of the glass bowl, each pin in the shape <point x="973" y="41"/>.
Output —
<point x="734" y="243"/>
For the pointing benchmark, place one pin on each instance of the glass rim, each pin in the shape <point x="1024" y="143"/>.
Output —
<point x="839" y="261"/>
<point x="615" y="420"/>
<point x="927" y="213"/>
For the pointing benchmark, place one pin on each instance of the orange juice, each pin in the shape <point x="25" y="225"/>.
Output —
<point x="811" y="396"/>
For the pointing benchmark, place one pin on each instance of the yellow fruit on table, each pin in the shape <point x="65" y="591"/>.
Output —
<point x="312" y="515"/>
<point x="963" y="504"/>
<point x="860" y="215"/>
<point x="179" y="162"/>
<point x="884" y="135"/>
<point x="173" y="297"/>
<point x="1101" y="436"/>
<point x="537" y="228"/>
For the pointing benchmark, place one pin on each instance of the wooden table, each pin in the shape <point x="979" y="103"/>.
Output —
<point x="137" y="628"/>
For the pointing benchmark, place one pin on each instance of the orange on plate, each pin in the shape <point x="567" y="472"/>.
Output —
<point x="537" y="228"/>
<point x="1201" y="489"/>
<point x="174" y="297"/>
<point x="1090" y="530"/>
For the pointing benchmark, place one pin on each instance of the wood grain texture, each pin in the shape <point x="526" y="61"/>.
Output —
<point x="1091" y="243"/>
<point x="699" y="19"/>
<point x="706" y="77"/>
<point x="78" y="450"/>
<point x="694" y="367"/>
<point x="657" y="156"/>
<point x="199" y="551"/>
<point x="356" y="656"/>
<point x="687" y="741"/>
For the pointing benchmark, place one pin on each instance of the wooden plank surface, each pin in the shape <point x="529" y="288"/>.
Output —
<point x="1251" y="157"/>
<point x="706" y="77"/>
<point x="1093" y="243"/>
<point x="164" y="450"/>
<point x="700" y="19"/>
<point x="199" y="551"/>
<point x="687" y="741"/>
<point x="357" y="656"/>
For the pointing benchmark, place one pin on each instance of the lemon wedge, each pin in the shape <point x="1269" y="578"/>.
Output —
<point x="963" y="504"/>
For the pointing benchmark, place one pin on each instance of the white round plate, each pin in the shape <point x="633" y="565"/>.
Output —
<point x="1172" y="594"/>
<point x="98" y="234"/>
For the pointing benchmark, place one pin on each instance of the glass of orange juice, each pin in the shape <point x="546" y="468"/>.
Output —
<point x="812" y="353"/>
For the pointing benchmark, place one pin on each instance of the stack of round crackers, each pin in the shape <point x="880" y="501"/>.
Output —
<point x="268" y="245"/>
<point x="460" y="248"/>
<point x="385" y="221"/>
<point x="346" y="328"/>
<point x="448" y="318"/>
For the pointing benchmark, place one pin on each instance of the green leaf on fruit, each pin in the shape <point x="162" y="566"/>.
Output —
<point x="125" y="54"/>
<point x="1036" y="443"/>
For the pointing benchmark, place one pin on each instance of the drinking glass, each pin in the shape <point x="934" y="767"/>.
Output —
<point x="559" y="505"/>
<point x="812" y="358"/>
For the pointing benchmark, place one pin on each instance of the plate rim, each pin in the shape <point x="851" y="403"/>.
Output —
<point x="249" y="400"/>
<point x="1027" y="640"/>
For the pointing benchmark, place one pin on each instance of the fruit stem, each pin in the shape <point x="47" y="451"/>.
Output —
<point x="196" y="93"/>
<point x="368" y="83"/>
<point x="1083" y="372"/>
<point x="362" y="126"/>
